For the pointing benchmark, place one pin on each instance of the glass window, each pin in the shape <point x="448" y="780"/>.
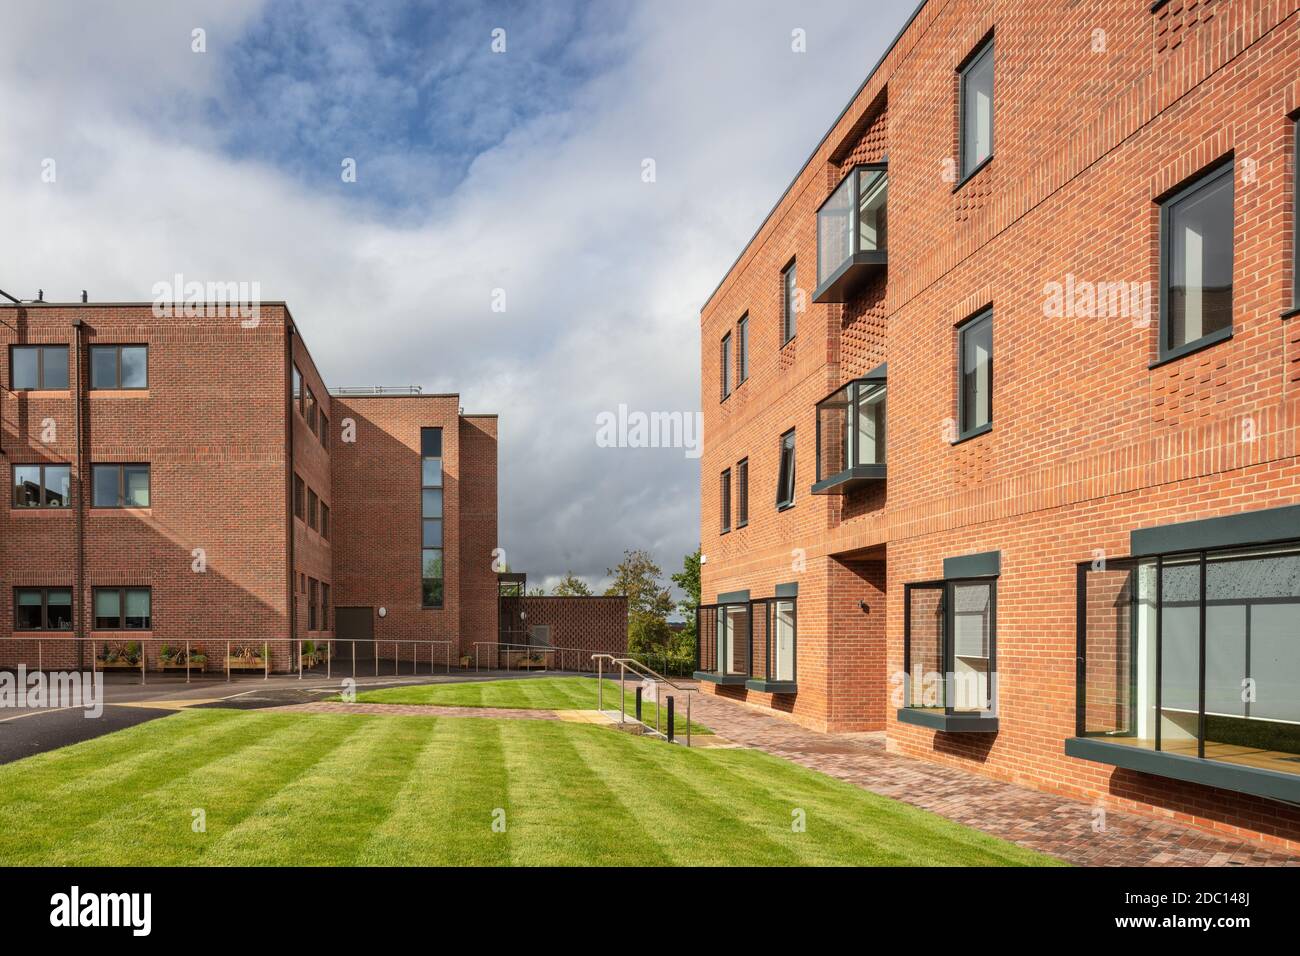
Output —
<point x="783" y="638"/>
<point x="742" y="493"/>
<point x="313" y="506"/>
<point x="724" y="493"/>
<point x="785" y="474"/>
<point x="1197" y="237"/>
<point x="324" y="520"/>
<point x="42" y="486"/>
<point x="33" y="367"/>
<point x="120" y="486"/>
<point x="58" y="609"/>
<point x="950" y="639"/>
<point x="431" y="568"/>
<point x="324" y="431"/>
<point x="297" y="388"/>
<point x="108" y="609"/>
<point x="977" y="110"/>
<point x="309" y="407"/>
<point x="27" y="486"/>
<point x="724" y="365"/>
<point x="299" y="499"/>
<point x="29" y="609"/>
<point x="313" y="596"/>
<point x="742" y="349"/>
<point x="139" y="609"/>
<point x="975" y="398"/>
<point x="119" y="366"/>
<point x="324" y="606"/>
<point x="789" y="302"/>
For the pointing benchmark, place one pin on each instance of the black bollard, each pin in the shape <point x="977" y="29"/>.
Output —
<point x="670" y="719"/>
<point x="638" y="701"/>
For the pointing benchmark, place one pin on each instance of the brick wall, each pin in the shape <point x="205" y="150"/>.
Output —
<point x="595" y="624"/>
<point x="478" y="534"/>
<point x="1100" y="112"/>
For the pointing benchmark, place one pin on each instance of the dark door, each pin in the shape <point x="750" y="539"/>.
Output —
<point x="354" y="624"/>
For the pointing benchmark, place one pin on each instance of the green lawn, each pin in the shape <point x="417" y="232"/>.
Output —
<point x="310" y="789"/>
<point x="536" y="693"/>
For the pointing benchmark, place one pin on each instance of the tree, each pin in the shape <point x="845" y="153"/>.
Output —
<point x="538" y="591"/>
<point x="688" y="579"/>
<point x="571" y="586"/>
<point x="637" y="578"/>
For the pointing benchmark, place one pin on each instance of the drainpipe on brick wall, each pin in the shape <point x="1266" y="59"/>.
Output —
<point x="79" y="496"/>
<point x="288" y="451"/>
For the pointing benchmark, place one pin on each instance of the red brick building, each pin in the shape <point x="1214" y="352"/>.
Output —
<point x="1082" y="573"/>
<point x="181" y="477"/>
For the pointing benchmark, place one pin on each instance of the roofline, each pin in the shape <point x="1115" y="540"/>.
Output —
<point x="45" y="304"/>
<point x="816" y="149"/>
<point x="369" y="398"/>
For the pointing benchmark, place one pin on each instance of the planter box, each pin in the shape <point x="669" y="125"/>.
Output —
<point x="245" y="663"/>
<point x="117" y="665"/>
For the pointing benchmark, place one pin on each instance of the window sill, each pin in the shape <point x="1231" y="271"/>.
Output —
<point x="773" y="686"/>
<point x="122" y="634"/>
<point x="1291" y="313"/>
<point x="26" y="634"/>
<point x="788" y="341"/>
<point x="973" y="173"/>
<point x="730" y="680"/>
<point x="743" y="524"/>
<point x="1256" y="781"/>
<point x="118" y="393"/>
<point x="1191" y="348"/>
<point x="974" y="723"/>
<point x="784" y="507"/>
<point x="114" y="510"/>
<point x="973" y="433"/>
<point x="15" y="510"/>
<point x="42" y="392"/>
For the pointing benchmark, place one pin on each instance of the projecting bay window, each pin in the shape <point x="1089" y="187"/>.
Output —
<point x="120" y="486"/>
<point x="852" y="233"/>
<point x="1189" y="666"/>
<point x="950" y="648"/>
<point x="750" y="642"/>
<point x="431" y="550"/>
<point x="851" y="435"/>
<point x="42" y="486"/>
<point x="1196" y="257"/>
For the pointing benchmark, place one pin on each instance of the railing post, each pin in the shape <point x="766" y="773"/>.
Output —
<point x="688" y="711"/>
<point x="144" y="661"/>
<point x="622" y="692"/>
<point x="187" y="660"/>
<point x="227" y="662"/>
<point x="329" y="658"/>
<point x="354" y="658"/>
<point x="40" y="656"/>
<point x="266" y="659"/>
<point x="600" y="685"/>
<point x="300" y="644"/>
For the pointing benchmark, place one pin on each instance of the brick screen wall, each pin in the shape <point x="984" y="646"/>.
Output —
<point x="1089" y="441"/>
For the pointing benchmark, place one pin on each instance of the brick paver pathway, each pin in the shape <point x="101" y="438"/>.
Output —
<point x="1060" y="826"/>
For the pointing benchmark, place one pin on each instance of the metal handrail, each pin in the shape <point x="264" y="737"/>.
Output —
<point x="624" y="663"/>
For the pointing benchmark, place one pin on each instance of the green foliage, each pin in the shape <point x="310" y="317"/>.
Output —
<point x="571" y="586"/>
<point x="638" y="578"/>
<point x="688" y="579"/>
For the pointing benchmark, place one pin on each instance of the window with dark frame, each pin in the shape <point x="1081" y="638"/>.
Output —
<point x="724" y="365"/>
<point x="309" y="407"/>
<point x="324" y="521"/>
<point x="785" y="474"/>
<point x="123" y="609"/>
<point x="299" y="499"/>
<point x="742" y="492"/>
<point x="950" y="645"/>
<point x="313" y="509"/>
<point x="742" y="349"/>
<point x="120" y="485"/>
<point x="975" y="375"/>
<point x="324" y="606"/>
<point x="789" y="302"/>
<point x="1196" y="260"/>
<point x="42" y="486"/>
<point x="38" y="368"/>
<point x="313" y="596"/>
<point x="431" y="551"/>
<point x="119" y="367"/>
<point x="297" y="389"/>
<point x="324" y="433"/>
<point x="1295" y="219"/>
<point x="975" y="111"/>
<point x="724" y="492"/>
<point x="42" y="609"/>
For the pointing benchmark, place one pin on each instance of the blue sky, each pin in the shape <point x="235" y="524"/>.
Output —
<point x="476" y="172"/>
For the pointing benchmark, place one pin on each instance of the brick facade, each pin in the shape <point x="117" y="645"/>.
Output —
<point x="1100" y="112"/>
<point x="219" y="545"/>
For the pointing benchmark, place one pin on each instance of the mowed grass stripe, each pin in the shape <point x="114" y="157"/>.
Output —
<point x="326" y="813"/>
<point x="154" y="826"/>
<point x="883" y="832"/>
<point x="69" y="790"/>
<point x="563" y="813"/>
<point x="757" y="809"/>
<point x="658" y="783"/>
<point x="447" y="810"/>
